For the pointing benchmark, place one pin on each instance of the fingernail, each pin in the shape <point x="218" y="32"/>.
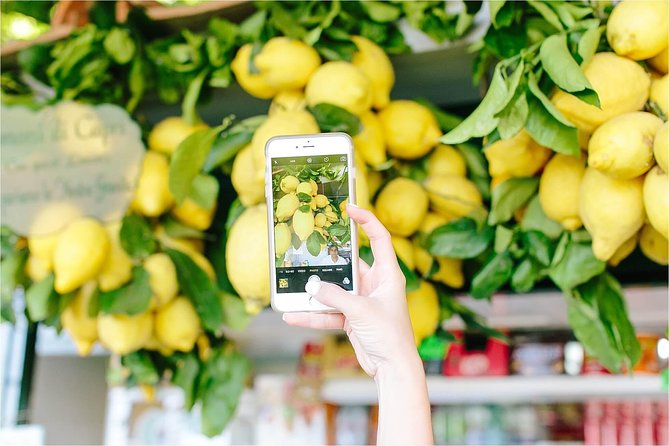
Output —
<point x="283" y="316"/>
<point x="312" y="287"/>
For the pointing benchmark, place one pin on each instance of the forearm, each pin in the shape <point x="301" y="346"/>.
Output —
<point x="404" y="407"/>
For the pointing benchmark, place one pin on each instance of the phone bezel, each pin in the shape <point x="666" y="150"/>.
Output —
<point x="304" y="145"/>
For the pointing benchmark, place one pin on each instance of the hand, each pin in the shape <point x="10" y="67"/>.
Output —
<point x="376" y="321"/>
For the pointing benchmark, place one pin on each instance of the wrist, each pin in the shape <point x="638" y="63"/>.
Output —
<point x="406" y="368"/>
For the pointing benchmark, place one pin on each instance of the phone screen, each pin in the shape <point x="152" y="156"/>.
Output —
<point x="312" y="233"/>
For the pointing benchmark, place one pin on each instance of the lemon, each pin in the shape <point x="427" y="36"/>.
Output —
<point x="286" y="123"/>
<point x="373" y="61"/>
<point x="625" y="92"/>
<point x="303" y="223"/>
<point x="247" y="257"/>
<point x="117" y="268"/>
<point x="287" y="205"/>
<point x="654" y="245"/>
<point x="154" y="344"/>
<point x="162" y="277"/>
<point x="289" y="184"/>
<point x="611" y="210"/>
<point x="152" y="194"/>
<point x="362" y="194"/>
<point x="35" y="269"/>
<point x="401" y="206"/>
<point x="446" y="160"/>
<point x="304" y="188"/>
<point x="41" y="248"/>
<point x="559" y="189"/>
<point x="122" y="333"/>
<point x="656" y="199"/>
<point x="321" y="200"/>
<point x="374" y="180"/>
<point x="166" y="136"/>
<point x="283" y="237"/>
<point x="340" y="83"/>
<point x="432" y="221"/>
<point x="192" y="214"/>
<point x="370" y="142"/>
<point x="286" y="64"/>
<point x="248" y="183"/>
<point x="660" y="147"/>
<point x="411" y="130"/>
<point x="287" y="100"/>
<point x="624" y="250"/>
<point x="76" y="320"/>
<point x="253" y="83"/>
<point x="452" y="195"/>
<point x="659" y="62"/>
<point x="320" y="220"/>
<point x="659" y="94"/>
<point x="188" y="247"/>
<point x="423" y="305"/>
<point x="80" y="252"/>
<point x="404" y="250"/>
<point x="519" y="156"/>
<point x="638" y="29"/>
<point x="177" y="325"/>
<point x="449" y="272"/>
<point x="622" y="147"/>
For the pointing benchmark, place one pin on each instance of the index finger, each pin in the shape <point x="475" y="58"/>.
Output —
<point x="379" y="237"/>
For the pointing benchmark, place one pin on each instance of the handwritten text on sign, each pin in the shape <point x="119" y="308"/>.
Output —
<point x="66" y="161"/>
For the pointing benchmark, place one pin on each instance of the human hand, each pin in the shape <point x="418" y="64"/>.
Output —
<point x="377" y="320"/>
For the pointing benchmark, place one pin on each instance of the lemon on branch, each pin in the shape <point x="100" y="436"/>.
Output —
<point x="410" y="129"/>
<point x="374" y="62"/>
<point x="401" y="206"/>
<point x="117" y="268"/>
<point x="656" y="199"/>
<point x="247" y="181"/>
<point x="162" y="277"/>
<point x="177" y="325"/>
<point x="559" y="189"/>
<point x="340" y="83"/>
<point x="638" y="29"/>
<point x="122" y="333"/>
<point x="166" y="136"/>
<point x="423" y="305"/>
<point x="78" y="323"/>
<point x="152" y="194"/>
<point x="253" y="83"/>
<point x="286" y="64"/>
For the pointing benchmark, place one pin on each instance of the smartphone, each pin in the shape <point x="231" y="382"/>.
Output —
<point x="309" y="179"/>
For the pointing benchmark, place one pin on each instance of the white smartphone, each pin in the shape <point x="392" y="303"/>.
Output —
<point x="308" y="181"/>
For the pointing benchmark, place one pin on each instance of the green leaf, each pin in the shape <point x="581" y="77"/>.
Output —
<point x="199" y="288"/>
<point x="535" y="220"/>
<point x="338" y="230"/>
<point x="189" y="102"/>
<point x="119" y="45"/>
<point x="188" y="160"/>
<point x="380" y="11"/>
<point x="577" y="266"/>
<point x="562" y="68"/>
<point x="136" y="84"/>
<point x="503" y="238"/>
<point x="482" y="121"/>
<point x="512" y="83"/>
<point x="186" y="370"/>
<point x="525" y="276"/>
<point x="492" y="276"/>
<point x="547" y="13"/>
<point x="331" y="118"/>
<point x="136" y="237"/>
<point x="234" y="312"/>
<point x="132" y="298"/>
<point x="539" y="246"/>
<point x="509" y="196"/>
<point x="234" y="211"/>
<point x="204" y="190"/>
<point x="314" y="244"/>
<point x="459" y="239"/>
<point x="38" y="298"/>
<point x="535" y="90"/>
<point x="141" y="367"/>
<point x="411" y="278"/>
<point x="472" y="320"/>
<point x="304" y="208"/>
<point x="476" y="162"/>
<point x="513" y="117"/>
<point x="11" y="271"/>
<point x="550" y="132"/>
<point x="587" y="46"/>
<point x="175" y="229"/>
<point x="283" y="21"/>
<point x="495" y="6"/>
<point x="366" y="255"/>
<point x="250" y="28"/>
<point x="304" y="198"/>
<point x="231" y="141"/>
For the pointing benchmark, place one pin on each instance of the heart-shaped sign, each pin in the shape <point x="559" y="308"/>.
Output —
<point x="66" y="161"/>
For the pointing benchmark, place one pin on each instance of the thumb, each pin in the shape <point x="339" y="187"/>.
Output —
<point x="336" y="297"/>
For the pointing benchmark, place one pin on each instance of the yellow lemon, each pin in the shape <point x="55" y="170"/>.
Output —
<point x="625" y="92"/>
<point x="423" y="305"/>
<point x="611" y="210"/>
<point x="659" y="62"/>
<point x="374" y="180"/>
<point x="287" y="205"/>
<point x="519" y="156"/>
<point x="286" y="123"/>
<point x="321" y="200"/>
<point x="162" y="277"/>
<point x="117" y="268"/>
<point x="166" y="136"/>
<point x="340" y="83"/>
<point x="404" y="250"/>
<point x="449" y="272"/>
<point x="654" y="245"/>
<point x="411" y="130"/>
<point x="446" y="160"/>
<point x="41" y="248"/>
<point x="452" y="195"/>
<point x="286" y="64"/>
<point x="370" y="142"/>
<point x="253" y="83"/>
<point x="559" y="189"/>
<point x="177" y="325"/>
<point x="659" y="94"/>
<point x="79" y="255"/>
<point x="638" y="29"/>
<point x="77" y="322"/>
<point x="287" y="100"/>
<point x="432" y="221"/>
<point x="320" y="220"/>
<point x="35" y="269"/>
<point x="374" y="62"/>
<point x="192" y="214"/>
<point x="401" y="206"/>
<point x="303" y="223"/>
<point x="247" y="257"/>
<point x="660" y="147"/>
<point x="289" y="184"/>
<point x="623" y="146"/>
<point x="122" y="333"/>
<point x="248" y="183"/>
<point x="282" y="238"/>
<point x="656" y="199"/>
<point x="624" y="250"/>
<point x="152" y="194"/>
